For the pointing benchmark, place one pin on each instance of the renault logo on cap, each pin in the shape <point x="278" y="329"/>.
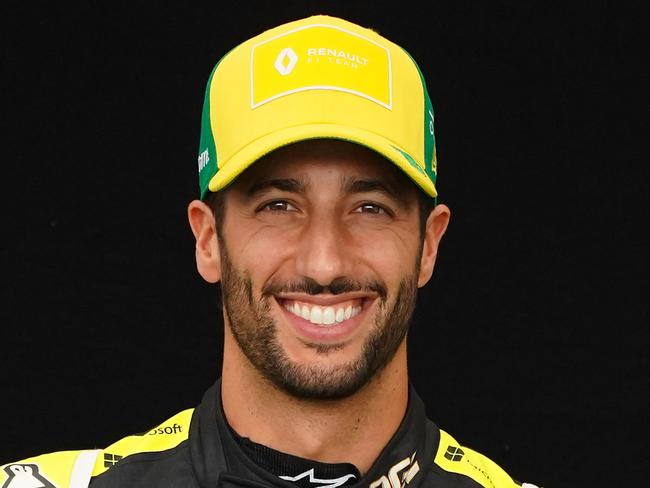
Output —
<point x="286" y="61"/>
<point x="331" y="59"/>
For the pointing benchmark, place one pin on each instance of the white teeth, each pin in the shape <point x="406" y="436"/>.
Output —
<point x="316" y="315"/>
<point x="340" y="315"/>
<point x="322" y="316"/>
<point x="328" y="316"/>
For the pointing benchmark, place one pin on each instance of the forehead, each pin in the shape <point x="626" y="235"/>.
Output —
<point x="318" y="158"/>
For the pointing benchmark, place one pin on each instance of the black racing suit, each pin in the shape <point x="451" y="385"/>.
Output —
<point x="196" y="449"/>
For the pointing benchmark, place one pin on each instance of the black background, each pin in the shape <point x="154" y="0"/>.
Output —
<point x="530" y="343"/>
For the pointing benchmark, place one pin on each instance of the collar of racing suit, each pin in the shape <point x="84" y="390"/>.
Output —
<point x="219" y="461"/>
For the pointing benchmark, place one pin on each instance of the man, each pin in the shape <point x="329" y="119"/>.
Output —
<point x="318" y="217"/>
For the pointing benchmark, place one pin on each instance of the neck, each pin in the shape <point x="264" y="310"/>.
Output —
<point x="353" y="429"/>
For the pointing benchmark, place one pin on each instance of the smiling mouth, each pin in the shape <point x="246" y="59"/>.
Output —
<point x="324" y="315"/>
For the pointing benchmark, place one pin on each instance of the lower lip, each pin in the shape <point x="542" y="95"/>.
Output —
<point x="329" y="334"/>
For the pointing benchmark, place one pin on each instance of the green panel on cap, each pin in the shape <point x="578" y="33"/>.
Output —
<point x="207" y="160"/>
<point x="429" y="137"/>
<point x="430" y="162"/>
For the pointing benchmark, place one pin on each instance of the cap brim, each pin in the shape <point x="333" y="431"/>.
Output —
<point x="245" y="157"/>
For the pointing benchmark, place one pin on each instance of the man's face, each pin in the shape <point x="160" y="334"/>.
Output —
<point x="320" y="263"/>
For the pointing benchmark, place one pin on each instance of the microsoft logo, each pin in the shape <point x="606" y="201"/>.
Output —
<point x="454" y="453"/>
<point x="111" y="459"/>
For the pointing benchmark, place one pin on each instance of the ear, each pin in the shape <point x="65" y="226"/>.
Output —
<point x="435" y="229"/>
<point x="208" y="258"/>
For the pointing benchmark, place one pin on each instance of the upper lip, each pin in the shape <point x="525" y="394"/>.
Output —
<point x="325" y="300"/>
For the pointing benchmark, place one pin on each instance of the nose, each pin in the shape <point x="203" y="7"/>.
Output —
<point x="324" y="253"/>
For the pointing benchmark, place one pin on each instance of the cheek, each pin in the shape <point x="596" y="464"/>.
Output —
<point x="260" y="251"/>
<point x="390" y="254"/>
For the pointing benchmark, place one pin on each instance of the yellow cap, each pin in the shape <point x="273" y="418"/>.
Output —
<point x="318" y="77"/>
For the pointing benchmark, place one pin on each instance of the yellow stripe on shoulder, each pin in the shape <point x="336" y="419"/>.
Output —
<point x="453" y="457"/>
<point x="165" y="436"/>
<point x="73" y="469"/>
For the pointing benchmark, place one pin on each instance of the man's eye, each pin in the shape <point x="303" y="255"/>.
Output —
<point x="370" y="208"/>
<point x="279" y="206"/>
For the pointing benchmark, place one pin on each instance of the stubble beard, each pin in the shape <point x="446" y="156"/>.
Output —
<point x="252" y="325"/>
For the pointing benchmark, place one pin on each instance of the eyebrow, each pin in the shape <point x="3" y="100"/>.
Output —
<point x="291" y="185"/>
<point x="356" y="185"/>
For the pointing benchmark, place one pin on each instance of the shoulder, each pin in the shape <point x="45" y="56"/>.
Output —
<point x="452" y="457"/>
<point x="76" y="469"/>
